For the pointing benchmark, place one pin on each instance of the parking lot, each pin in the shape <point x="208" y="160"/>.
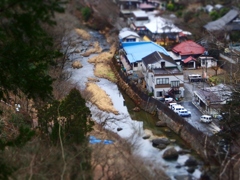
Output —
<point x="196" y="113"/>
<point x="194" y="119"/>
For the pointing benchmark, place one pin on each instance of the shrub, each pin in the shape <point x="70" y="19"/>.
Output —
<point x="86" y="13"/>
<point x="214" y="15"/>
<point x="170" y="7"/>
<point x="179" y="13"/>
<point x="150" y="94"/>
<point x="235" y="36"/>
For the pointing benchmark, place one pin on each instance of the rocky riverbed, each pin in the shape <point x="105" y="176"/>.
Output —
<point x="156" y="153"/>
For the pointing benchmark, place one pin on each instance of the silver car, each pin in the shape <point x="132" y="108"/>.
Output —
<point x="184" y="113"/>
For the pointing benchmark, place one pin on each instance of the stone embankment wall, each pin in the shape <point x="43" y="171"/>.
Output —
<point x="173" y="125"/>
<point x="204" y="145"/>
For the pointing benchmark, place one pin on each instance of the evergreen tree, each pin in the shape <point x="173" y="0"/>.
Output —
<point x="231" y="112"/>
<point x="26" y="49"/>
<point x="71" y="114"/>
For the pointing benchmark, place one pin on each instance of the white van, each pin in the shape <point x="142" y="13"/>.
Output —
<point x="206" y="119"/>
<point x="195" y="78"/>
<point x="177" y="108"/>
<point x="172" y="104"/>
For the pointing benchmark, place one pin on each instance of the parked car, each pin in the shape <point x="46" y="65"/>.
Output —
<point x="177" y="108"/>
<point x="218" y="117"/>
<point x="162" y="99"/>
<point x="195" y="78"/>
<point x="170" y="105"/>
<point x="184" y="113"/>
<point x="168" y="100"/>
<point x="206" y="119"/>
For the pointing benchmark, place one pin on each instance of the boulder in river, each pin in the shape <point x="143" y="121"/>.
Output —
<point x="178" y="166"/>
<point x="161" y="146"/>
<point x="184" y="151"/>
<point x="191" y="162"/>
<point x="156" y="142"/>
<point x="147" y="136"/>
<point x="170" y="154"/>
<point x="191" y="170"/>
<point x="183" y="177"/>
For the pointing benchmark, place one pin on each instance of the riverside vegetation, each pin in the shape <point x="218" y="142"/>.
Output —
<point x="32" y="75"/>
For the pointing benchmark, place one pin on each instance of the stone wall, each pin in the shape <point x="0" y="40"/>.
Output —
<point x="205" y="146"/>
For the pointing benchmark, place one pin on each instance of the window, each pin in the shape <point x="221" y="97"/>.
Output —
<point x="174" y="83"/>
<point x="162" y="64"/>
<point x="135" y="64"/>
<point x="159" y="93"/>
<point x="203" y="62"/>
<point x="131" y="40"/>
<point x="162" y="81"/>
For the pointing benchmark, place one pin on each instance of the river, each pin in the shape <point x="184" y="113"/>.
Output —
<point x="133" y="124"/>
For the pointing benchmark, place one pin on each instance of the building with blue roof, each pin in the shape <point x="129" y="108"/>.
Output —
<point x="132" y="53"/>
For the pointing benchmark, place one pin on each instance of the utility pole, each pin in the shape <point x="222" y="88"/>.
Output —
<point x="206" y="63"/>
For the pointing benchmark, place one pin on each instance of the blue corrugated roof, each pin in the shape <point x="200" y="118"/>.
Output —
<point x="138" y="50"/>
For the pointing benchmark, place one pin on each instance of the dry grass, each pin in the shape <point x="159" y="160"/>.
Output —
<point x="100" y="98"/>
<point x="113" y="49"/>
<point x="103" y="70"/>
<point x="76" y="64"/>
<point x="103" y="57"/>
<point x="95" y="49"/>
<point x="93" y="79"/>
<point x="83" y="34"/>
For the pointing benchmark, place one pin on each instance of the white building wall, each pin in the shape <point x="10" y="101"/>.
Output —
<point x="168" y="64"/>
<point x="138" y="68"/>
<point x="151" y="80"/>
<point x="179" y="78"/>
<point x="210" y="62"/>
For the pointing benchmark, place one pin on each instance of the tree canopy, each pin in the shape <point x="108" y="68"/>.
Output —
<point x="26" y="49"/>
<point x="71" y="114"/>
<point x="231" y="113"/>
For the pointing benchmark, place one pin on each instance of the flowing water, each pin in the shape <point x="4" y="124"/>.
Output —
<point x="128" y="120"/>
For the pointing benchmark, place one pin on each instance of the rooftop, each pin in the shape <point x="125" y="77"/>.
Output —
<point x="135" y="51"/>
<point x="188" y="48"/>
<point x="161" y="25"/>
<point x="166" y="71"/>
<point x="126" y="33"/>
<point x="157" y="57"/>
<point x="140" y="13"/>
<point x="220" y="23"/>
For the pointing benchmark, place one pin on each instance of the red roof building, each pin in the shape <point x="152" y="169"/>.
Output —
<point x="189" y="63"/>
<point x="188" y="48"/>
<point x="190" y="58"/>
<point x="189" y="52"/>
